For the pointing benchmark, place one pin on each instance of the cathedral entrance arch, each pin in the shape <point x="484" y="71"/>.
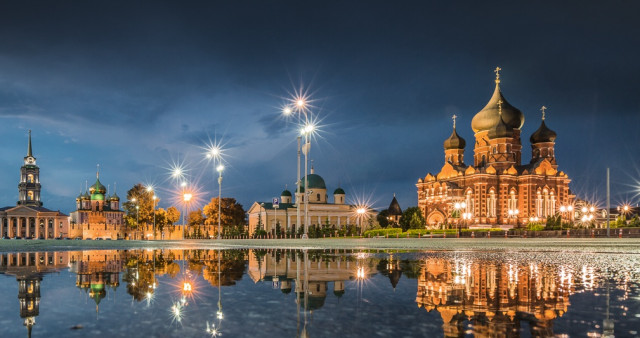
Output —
<point x="435" y="218"/>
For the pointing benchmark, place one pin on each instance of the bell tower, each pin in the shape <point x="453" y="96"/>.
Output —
<point x="29" y="186"/>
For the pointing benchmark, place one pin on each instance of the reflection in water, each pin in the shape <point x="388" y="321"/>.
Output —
<point x="484" y="294"/>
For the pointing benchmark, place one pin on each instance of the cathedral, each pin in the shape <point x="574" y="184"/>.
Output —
<point x="495" y="188"/>
<point x="28" y="218"/>
<point x="98" y="214"/>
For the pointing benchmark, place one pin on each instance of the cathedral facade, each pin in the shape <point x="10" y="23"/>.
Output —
<point x="98" y="214"/>
<point x="496" y="188"/>
<point x="28" y="218"/>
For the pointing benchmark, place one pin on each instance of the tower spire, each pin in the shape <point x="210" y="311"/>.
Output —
<point x="98" y="171"/>
<point x="543" y="109"/>
<point x="29" y="151"/>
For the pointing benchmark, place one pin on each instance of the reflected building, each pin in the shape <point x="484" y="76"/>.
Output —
<point x="494" y="297"/>
<point x="283" y="267"/>
<point x="96" y="271"/>
<point x="29" y="269"/>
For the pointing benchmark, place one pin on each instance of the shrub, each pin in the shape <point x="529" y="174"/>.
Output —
<point x="391" y="232"/>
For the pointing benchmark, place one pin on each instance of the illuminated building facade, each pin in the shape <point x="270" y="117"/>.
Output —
<point x="98" y="215"/>
<point x="496" y="189"/>
<point x="29" y="219"/>
<point x="321" y="212"/>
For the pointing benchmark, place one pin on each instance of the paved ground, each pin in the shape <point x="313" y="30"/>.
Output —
<point x="626" y="245"/>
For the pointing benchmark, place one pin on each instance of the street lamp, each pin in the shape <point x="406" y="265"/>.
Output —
<point x="186" y="197"/>
<point x="154" y="215"/>
<point x="306" y="130"/>
<point x="361" y="211"/>
<point x="513" y="214"/>
<point x="220" y="168"/>
<point x="458" y="206"/>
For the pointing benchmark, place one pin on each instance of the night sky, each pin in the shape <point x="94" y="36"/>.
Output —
<point x="139" y="86"/>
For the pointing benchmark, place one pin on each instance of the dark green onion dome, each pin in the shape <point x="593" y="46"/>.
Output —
<point x="339" y="191"/>
<point x="489" y="117"/>
<point x="394" y="208"/>
<point x="338" y="293"/>
<point x="500" y="130"/>
<point x="543" y="134"/>
<point x="286" y="193"/>
<point x="454" y="141"/>
<point x="97" y="292"/>
<point x="315" y="182"/>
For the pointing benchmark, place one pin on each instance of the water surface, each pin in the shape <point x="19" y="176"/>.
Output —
<point x="330" y="293"/>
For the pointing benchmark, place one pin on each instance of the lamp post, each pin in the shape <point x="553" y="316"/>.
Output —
<point x="186" y="197"/>
<point x="459" y="206"/>
<point x="220" y="168"/>
<point x="308" y="128"/>
<point x="513" y="214"/>
<point x="137" y="218"/>
<point x="154" y="215"/>
<point x="287" y="111"/>
<point x="361" y="211"/>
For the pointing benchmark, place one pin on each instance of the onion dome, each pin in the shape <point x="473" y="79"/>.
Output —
<point x="98" y="188"/>
<point x="543" y="134"/>
<point x="286" y="193"/>
<point x="394" y="208"/>
<point x="454" y="141"/>
<point x="86" y="196"/>
<point x="315" y="182"/>
<point x="488" y="117"/>
<point x="114" y="197"/>
<point x="500" y="130"/>
<point x="339" y="191"/>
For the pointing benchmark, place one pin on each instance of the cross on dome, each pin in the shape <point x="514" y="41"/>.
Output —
<point x="454" y="117"/>
<point x="497" y="71"/>
<point x="500" y="107"/>
<point x="543" y="112"/>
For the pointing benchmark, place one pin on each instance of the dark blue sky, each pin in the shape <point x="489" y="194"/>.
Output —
<point x="137" y="86"/>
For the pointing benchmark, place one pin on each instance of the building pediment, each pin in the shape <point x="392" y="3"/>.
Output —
<point x="21" y="210"/>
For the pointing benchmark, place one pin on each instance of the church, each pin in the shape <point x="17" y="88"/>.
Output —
<point x="98" y="214"/>
<point x="29" y="219"/>
<point x="495" y="189"/>
<point x="321" y="211"/>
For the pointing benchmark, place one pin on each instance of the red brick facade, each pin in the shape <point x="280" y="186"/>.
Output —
<point x="497" y="189"/>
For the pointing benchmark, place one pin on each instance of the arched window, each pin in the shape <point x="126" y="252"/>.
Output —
<point x="318" y="197"/>
<point x="484" y="160"/>
<point x="491" y="204"/>
<point x="30" y="195"/>
<point x="469" y="201"/>
<point x="539" y="204"/>
<point x="512" y="203"/>
<point x="30" y="178"/>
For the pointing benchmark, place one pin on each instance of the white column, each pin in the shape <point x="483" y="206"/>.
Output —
<point x="338" y="223"/>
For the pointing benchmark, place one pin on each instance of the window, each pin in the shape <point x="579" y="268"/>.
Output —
<point x="318" y="197"/>
<point x="491" y="204"/>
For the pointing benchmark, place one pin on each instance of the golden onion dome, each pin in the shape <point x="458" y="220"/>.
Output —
<point x="489" y="117"/>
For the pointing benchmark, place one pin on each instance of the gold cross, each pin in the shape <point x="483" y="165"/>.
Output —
<point x="497" y="71"/>
<point x="500" y="107"/>
<point x="543" y="112"/>
<point x="454" y="120"/>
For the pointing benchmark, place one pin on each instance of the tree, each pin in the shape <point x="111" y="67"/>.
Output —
<point x="173" y="215"/>
<point x="231" y="214"/>
<point x="161" y="219"/>
<point x="138" y="196"/>
<point x="382" y="218"/>
<point x="195" y="220"/>
<point x="412" y="219"/>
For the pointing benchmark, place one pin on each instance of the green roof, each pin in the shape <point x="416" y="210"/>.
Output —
<point x="339" y="191"/>
<point x="315" y="182"/>
<point x="286" y="193"/>
<point x="97" y="197"/>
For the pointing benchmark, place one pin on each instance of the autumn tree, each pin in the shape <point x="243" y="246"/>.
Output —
<point x="173" y="215"/>
<point x="232" y="213"/>
<point x="138" y="196"/>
